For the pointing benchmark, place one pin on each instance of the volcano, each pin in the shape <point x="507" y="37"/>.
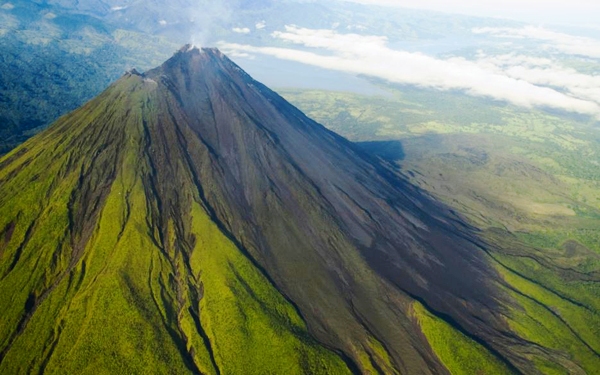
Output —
<point x="190" y="220"/>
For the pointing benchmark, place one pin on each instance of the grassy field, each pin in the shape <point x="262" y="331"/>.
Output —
<point x="460" y="354"/>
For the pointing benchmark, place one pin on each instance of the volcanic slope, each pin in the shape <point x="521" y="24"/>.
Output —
<point x="190" y="220"/>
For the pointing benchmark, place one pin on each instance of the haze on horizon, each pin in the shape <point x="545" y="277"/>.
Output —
<point x="573" y="13"/>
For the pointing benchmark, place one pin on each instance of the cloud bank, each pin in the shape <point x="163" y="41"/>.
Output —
<point x="495" y="78"/>
<point x="544" y="72"/>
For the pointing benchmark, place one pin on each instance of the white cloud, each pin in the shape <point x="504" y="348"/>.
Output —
<point x="356" y="27"/>
<point x="370" y="55"/>
<point x="545" y="72"/>
<point x="162" y="22"/>
<point x="240" y="55"/>
<point x="564" y="43"/>
<point x="241" y="30"/>
<point x="512" y="59"/>
<point x="260" y="25"/>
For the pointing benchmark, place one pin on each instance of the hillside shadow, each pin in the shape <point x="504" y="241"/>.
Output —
<point x="388" y="150"/>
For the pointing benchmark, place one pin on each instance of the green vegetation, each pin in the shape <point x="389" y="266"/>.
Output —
<point x="555" y="312"/>
<point x="244" y="313"/>
<point x="112" y="290"/>
<point x="557" y="306"/>
<point x="459" y="353"/>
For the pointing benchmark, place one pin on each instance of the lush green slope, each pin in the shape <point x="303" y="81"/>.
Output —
<point x="531" y="173"/>
<point x="107" y="285"/>
<point x="459" y="353"/>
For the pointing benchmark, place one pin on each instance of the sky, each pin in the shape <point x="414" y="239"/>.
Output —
<point x="570" y="12"/>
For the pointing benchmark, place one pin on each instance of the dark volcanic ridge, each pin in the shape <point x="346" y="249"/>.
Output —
<point x="189" y="214"/>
